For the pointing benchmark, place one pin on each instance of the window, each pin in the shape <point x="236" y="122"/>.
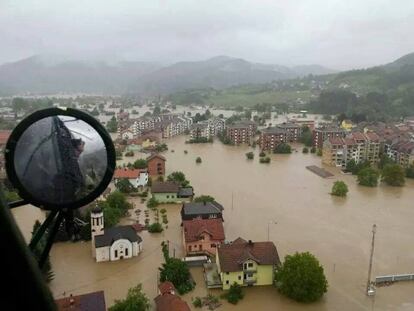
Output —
<point x="250" y="265"/>
<point x="189" y="248"/>
<point x="227" y="273"/>
<point x="213" y="245"/>
<point x="239" y="277"/>
<point x="245" y="266"/>
<point x="168" y="196"/>
<point x="116" y="253"/>
<point x="126" y="252"/>
<point x="227" y="282"/>
<point x="201" y="247"/>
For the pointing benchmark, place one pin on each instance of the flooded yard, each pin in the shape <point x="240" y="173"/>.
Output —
<point x="336" y="230"/>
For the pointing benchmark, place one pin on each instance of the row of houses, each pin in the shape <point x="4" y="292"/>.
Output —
<point x="168" y="125"/>
<point x="207" y="129"/>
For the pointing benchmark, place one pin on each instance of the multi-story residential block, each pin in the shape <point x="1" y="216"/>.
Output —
<point x="247" y="263"/>
<point x="293" y="131"/>
<point x="207" y="129"/>
<point x="271" y="137"/>
<point x="242" y="132"/>
<point x="401" y="151"/>
<point x="202" y="236"/>
<point x="338" y="151"/>
<point x="321" y="134"/>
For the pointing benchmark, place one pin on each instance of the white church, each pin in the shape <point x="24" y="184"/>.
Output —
<point x="113" y="243"/>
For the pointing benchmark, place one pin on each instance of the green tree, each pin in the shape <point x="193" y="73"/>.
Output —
<point x="136" y="300"/>
<point x="393" y="175"/>
<point x="118" y="200"/>
<point x="19" y="104"/>
<point x="204" y="198"/>
<point x="152" y="203"/>
<point x="313" y="150"/>
<point x="176" y="271"/>
<point x="124" y="186"/>
<point x="198" y="160"/>
<point x="368" y="177"/>
<point x="339" y="189"/>
<point x="319" y="152"/>
<point x="306" y="137"/>
<point x="351" y="166"/>
<point x="301" y="277"/>
<point x="156" y="227"/>
<point x="305" y="150"/>
<point x="409" y="172"/>
<point x="283" y="148"/>
<point x="250" y="155"/>
<point x="262" y="154"/>
<point x="265" y="160"/>
<point x="47" y="267"/>
<point x="234" y="294"/>
<point x="161" y="147"/>
<point x="384" y="160"/>
<point x="179" y="178"/>
<point x="157" y="110"/>
<point x="112" y="125"/>
<point x="140" y="163"/>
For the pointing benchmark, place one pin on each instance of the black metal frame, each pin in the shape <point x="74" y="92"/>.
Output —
<point x="36" y="116"/>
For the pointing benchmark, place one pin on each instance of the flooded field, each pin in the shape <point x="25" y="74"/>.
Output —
<point x="336" y="230"/>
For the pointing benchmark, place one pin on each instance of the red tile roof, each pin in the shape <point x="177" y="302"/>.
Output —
<point x="232" y="256"/>
<point x="358" y="136"/>
<point x="336" y="140"/>
<point x="166" y="288"/>
<point x="372" y="136"/>
<point x="4" y="136"/>
<point x="168" y="302"/>
<point x="155" y="155"/>
<point x="194" y="228"/>
<point x="128" y="173"/>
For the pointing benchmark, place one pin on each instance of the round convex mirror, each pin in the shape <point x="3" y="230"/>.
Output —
<point x="60" y="158"/>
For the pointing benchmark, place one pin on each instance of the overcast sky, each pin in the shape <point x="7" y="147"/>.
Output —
<point x="335" y="33"/>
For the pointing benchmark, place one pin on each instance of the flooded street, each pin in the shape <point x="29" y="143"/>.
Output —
<point x="336" y="230"/>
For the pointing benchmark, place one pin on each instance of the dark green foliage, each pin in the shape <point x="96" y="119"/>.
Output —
<point x="368" y="177"/>
<point x="202" y="117"/>
<point x="136" y="300"/>
<point x="306" y="137"/>
<point x="409" y="172"/>
<point x="351" y="167"/>
<point x="250" y="155"/>
<point x="283" y="148"/>
<point x="157" y="110"/>
<point x="197" y="303"/>
<point x="384" y="160"/>
<point x="114" y="208"/>
<point x="129" y="153"/>
<point x="124" y="186"/>
<point x="179" y="178"/>
<point x="112" y="125"/>
<point x="223" y="138"/>
<point x="313" y="150"/>
<point x="339" y="189"/>
<point x="161" y="147"/>
<point x="301" y="277"/>
<point x="140" y="163"/>
<point x="262" y="154"/>
<point x="198" y="160"/>
<point x="152" y="203"/>
<point x="156" y="227"/>
<point x="47" y="268"/>
<point x="393" y="175"/>
<point x="234" y="294"/>
<point x="11" y="196"/>
<point x="204" y="198"/>
<point x="94" y="112"/>
<point x="175" y="271"/>
<point x="305" y="150"/>
<point x="319" y="152"/>
<point x="265" y="160"/>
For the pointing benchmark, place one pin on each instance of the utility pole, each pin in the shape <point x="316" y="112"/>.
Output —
<point x="374" y="230"/>
<point x="232" y="200"/>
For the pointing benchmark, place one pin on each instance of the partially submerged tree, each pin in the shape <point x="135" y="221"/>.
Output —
<point x="135" y="300"/>
<point x="339" y="189"/>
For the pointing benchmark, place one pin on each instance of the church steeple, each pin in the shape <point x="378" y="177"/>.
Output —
<point x="97" y="225"/>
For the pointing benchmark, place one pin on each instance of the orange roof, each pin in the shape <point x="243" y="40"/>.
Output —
<point x="169" y="302"/>
<point x="194" y="228"/>
<point x="4" y="136"/>
<point x="128" y="173"/>
<point x="166" y="288"/>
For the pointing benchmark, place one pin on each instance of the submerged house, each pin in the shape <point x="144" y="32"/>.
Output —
<point x="246" y="263"/>
<point x="171" y="192"/>
<point x="202" y="210"/>
<point x="137" y="177"/>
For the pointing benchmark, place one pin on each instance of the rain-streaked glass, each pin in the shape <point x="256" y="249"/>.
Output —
<point x="60" y="159"/>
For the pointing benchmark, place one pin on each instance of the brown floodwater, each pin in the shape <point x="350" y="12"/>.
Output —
<point x="335" y="230"/>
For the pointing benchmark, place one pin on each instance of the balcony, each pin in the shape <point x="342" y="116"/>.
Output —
<point x="250" y="270"/>
<point x="250" y="281"/>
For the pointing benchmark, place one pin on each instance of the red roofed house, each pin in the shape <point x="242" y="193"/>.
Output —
<point x="156" y="165"/>
<point x="137" y="177"/>
<point x="87" y="302"/>
<point x="167" y="300"/>
<point x="202" y="236"/>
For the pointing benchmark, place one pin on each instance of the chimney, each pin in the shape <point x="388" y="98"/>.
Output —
<point x="250" y="242"/>
<point x="71" y="300"/>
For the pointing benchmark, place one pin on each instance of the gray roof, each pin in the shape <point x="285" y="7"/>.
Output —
<point x="186" y="192"/>
<point x="199" y="208"/>
<point x="165" y="187"/>
<point x="273" y="130"/>
<point x="116" y="233"/>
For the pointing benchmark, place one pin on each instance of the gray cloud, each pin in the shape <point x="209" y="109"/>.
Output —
<point x="339" y="34"/>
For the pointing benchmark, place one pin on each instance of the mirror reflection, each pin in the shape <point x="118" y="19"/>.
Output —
<point x="60" y="159"/>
